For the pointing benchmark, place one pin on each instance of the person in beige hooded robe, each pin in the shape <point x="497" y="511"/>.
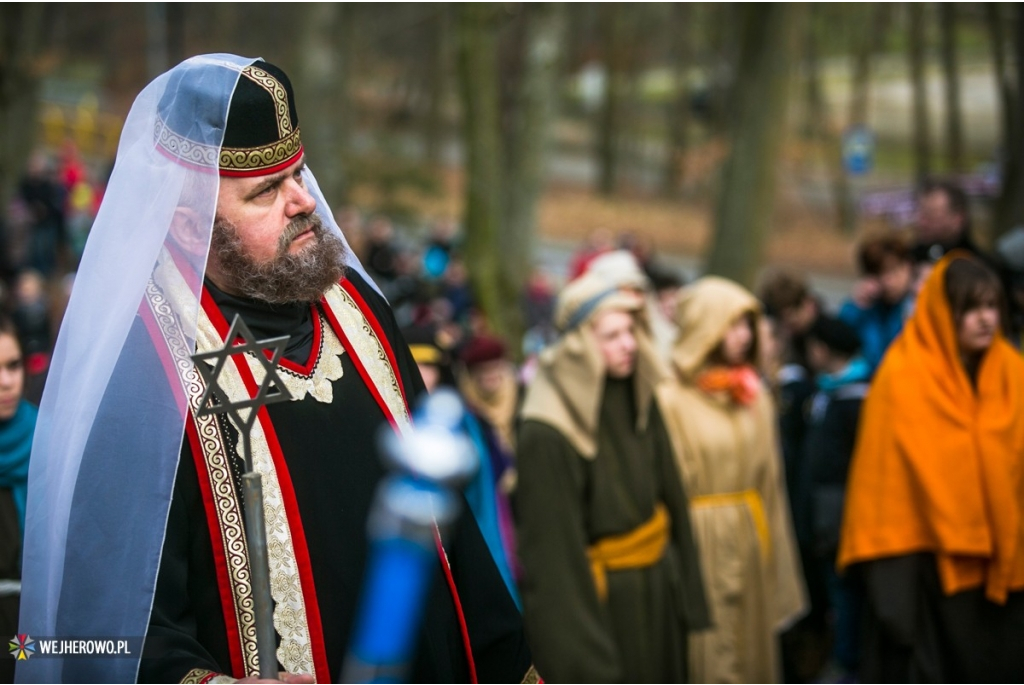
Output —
<point x="722" y="421"/>
<point x="612" y="583"/>
<point x="621" y="268"/>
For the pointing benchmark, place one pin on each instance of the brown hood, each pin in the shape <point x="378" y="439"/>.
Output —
<point x="705" y="311"/>
<point x="566" y="393"/>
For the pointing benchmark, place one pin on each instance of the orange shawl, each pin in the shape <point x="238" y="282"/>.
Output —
<point x="938" y="464"/>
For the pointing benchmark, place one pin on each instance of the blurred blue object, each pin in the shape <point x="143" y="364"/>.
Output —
<point x="858" y="150"/>
<point x="412" y="507"/>
<point x="435" y="261"/>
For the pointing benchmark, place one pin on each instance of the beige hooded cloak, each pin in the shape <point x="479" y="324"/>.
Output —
<point x="732" y="472"/>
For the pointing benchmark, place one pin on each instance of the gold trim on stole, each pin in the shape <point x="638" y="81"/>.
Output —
<point x="295" y="651"/>
<point x="370" y="352"/>
<point x="218" y="468"/>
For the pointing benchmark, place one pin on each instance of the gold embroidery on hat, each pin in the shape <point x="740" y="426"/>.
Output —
<point x="261" y="157"/>
<point x="277" y="93"/>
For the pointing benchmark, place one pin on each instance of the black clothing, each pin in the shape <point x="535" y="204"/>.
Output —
<point x="334" y="468"/>
<point x="381" y="260"/>
<point x="831" y="438"/>
<point x="564" y="504"/>
<point x="10" y="570"/>
<point x="802" y="644"/>
<point x="934" y="251"/>
<point x="914" y="633"/>
<point x="796" y="387"/>
<point x="264" y="320"/>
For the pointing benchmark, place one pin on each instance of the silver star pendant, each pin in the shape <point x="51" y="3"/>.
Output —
<point x="271" y="390"/>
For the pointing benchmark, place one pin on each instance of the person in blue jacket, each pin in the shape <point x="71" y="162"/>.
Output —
<point x="883" y="297"/>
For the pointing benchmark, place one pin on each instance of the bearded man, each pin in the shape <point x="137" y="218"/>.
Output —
<point x="137" y="515"/>
<point x="612" y="584"/>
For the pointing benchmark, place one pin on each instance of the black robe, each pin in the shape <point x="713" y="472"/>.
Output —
<point x="334" y="466"/>
<point x="563" y="504"/>
<point x="915" y="633"/>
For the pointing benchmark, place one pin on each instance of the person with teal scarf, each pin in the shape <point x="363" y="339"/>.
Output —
<point x="15" y="446"/>
<point x="17" y="424"/>
<point x="843" y="376"/>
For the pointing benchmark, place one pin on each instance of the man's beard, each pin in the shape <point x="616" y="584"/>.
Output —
<point x="285" y="278"/>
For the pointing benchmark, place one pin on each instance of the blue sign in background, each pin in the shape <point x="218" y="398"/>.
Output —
<point x="858" y="150"/>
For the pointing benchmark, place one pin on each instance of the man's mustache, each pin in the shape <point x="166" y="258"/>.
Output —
<point x="297" y="227"/>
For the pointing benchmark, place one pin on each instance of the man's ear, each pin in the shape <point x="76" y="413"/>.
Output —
<point x="185" y="231"/>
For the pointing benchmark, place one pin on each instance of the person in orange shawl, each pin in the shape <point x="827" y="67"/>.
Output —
<point x="933" y="512"/>
<point x="722" y="421"/>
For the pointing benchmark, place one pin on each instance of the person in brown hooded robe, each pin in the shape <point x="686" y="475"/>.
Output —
<point x="612" y="583"/>
<point x="722" y="421"/>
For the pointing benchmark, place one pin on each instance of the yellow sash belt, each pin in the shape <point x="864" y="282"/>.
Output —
<point x="752" y="500"/>
<point x="643" y="546"/>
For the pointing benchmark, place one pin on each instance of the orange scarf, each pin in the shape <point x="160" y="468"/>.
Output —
<point x="938" y="464"/>
<point x="741" y="382"/>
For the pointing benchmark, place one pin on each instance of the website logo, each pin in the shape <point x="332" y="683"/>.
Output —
<point x="22" y="647"/>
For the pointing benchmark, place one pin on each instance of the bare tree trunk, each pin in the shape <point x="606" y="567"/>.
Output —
<point x="526" y="145"/>
<point x="745" y="205"/>
<point x="323" y="74"/>
<point x="818" y="128"/>
<point x="915" y="55"/>
<point x="867" y="44"/>
<point x="156" y="38"/>
<point x="1010" y="207"/>
<point x="438" y="86"/>
<point x="1014" y="189"/>
<point x="679" y="109"/>
<point x="815" y="119"/>
<point x="478" y="81"/>
<point x="1010" y="103"/>
<point x="177" y="20"/>
<point x="22" y="36"/>
<point x="723" y="55"/>
<point x="950" y="69"/>
<point x="612" y="110"/>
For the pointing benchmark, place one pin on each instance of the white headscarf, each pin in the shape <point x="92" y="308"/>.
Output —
<point x="107" y="444"/>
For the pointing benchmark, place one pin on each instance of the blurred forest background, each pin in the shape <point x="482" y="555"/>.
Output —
<point x="731" y="135"/>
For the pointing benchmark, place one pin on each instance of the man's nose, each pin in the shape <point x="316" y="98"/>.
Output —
<point x="300" y="201"/>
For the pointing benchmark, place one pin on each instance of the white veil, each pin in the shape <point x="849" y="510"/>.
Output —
<point x="110" y="426"/>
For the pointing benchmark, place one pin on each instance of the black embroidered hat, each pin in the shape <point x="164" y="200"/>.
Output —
<point x="262" y="132"/>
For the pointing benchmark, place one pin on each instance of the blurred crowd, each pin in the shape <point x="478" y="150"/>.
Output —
<point x="852" y="447"/>
<point x="850" y="475"/>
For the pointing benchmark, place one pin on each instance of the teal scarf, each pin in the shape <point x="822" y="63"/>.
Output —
<point x="15" y="446"/>
<point x="857" y="371"/>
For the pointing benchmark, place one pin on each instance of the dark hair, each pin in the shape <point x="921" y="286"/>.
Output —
<point x="717" y="355"/>
<point x="662" y="279"/>
<point x="836" y="335"/>
<point x="967" y="283"/>
<point x="958" y="201"/>
<point x="873" y="251"/>
<point x="7" y="327"/>
<point x="781" y="291"/>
